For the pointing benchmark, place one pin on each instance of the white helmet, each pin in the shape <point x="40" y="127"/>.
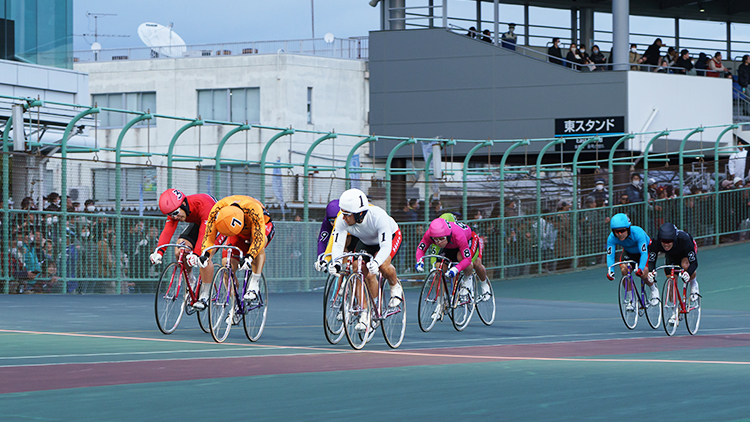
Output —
<point x="353" y="201"/>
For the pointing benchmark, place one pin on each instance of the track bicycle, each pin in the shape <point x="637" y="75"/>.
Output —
<point x="357" y="302"/>
<point x="175" y="296"/>
<point x="333" y="317"/>
<point x="441" y="295"/>
<point x="676" y="306"/>
<point x="634" y="303"/>
<point x="226" y="305"/>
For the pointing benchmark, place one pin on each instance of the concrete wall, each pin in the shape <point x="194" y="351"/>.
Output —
<point x="340" y="101"/>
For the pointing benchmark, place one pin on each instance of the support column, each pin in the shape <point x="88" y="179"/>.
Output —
<point x="479" y="15"/>
<point x="677" y="34"/>
<point x="729" y="40"/>
<point x="526" y="24"/>
<point x="574" y="25"/>
<point x="397" y="14"/>
<point x="620" y="33"/>
<point x="496" y="23"/>
<point x="587" y="27"/>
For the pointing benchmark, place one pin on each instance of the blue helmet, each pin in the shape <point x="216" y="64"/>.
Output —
<point x="619" y="221"/>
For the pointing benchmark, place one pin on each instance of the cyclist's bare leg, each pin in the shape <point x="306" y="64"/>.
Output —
<point x="206" y="274"/>
<point x="685" y="264"/>
<point x="479" y="268"/>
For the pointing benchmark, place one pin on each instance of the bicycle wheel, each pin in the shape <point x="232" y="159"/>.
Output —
<point x="431" y="300"/>
<point x="394" y="319"/>
<point x="693" y="317"/>
<point x="333" y="317"/>
<point x="203" y="321"/>
<point x="464" y="306"/>
<point x="485" y="302"/>
<point x="670" y="306"/>
<point x="627" y="295"/>
<point x="221" y="304"/>
<point x="254" y="319"/>
<point x="356" y="303"/>
<point x="169" y="302"/>
<point x="653" y="313"/>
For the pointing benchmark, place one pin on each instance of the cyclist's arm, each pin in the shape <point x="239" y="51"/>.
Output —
<point x="209" y="235"/>
<point x="464" y="252"/>
<point x="166" y="235"/>
<point x="198" y="247"/>
<point x="258" y="223"/>
<point x="423" y="245"/>
<point x="385" y="238"/>
<point x="324" y="236"/>
<point x="692" y="257"/>
<point x="653" y="254"/>
<point x="338" y="239"/>
<point x="643" y="242"/>
<point x="611" y="246"/>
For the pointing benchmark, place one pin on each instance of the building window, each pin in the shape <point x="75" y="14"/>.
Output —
<point x="134" y="183"/>
<point x="309" y="104"/>
<point x="138" y="101"/>
<point x="230" y="105"/>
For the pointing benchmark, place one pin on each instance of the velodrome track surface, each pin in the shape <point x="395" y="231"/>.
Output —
<point x="558" y="351"/>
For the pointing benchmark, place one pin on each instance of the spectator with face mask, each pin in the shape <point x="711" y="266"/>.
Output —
<point x="599" y="192"/>
<point x="634" y="189"/>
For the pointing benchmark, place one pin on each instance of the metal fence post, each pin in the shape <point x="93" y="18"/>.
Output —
<point x="682" y="174"/>
<point x="539" y="201"/>
<point x="645" y="177"/>
<point x="118" y="197"/>
<point x="506" y="154"/>
<point x="576" y="155"/>
<point x="306" y="170"/>
<point x="611" y="169"/>
<point x="217" y="158"/>
<point x="388" y="171"/>
<point x="263" y="155"/>
<point x="64" y="190"/>
<point x="6" y="209"/>
<point x="347" y="174"/>
<point x="170" y="151"/>
<point x="466" y="172"/>
<point x="716" y="179"/>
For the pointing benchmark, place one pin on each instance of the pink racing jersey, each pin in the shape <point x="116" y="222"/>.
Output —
<point x="458" y="239"/>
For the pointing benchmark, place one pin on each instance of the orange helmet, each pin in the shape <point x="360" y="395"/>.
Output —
<point x="230" y="221"/>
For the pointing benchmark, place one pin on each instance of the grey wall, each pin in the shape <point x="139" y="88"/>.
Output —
<point x="433" y="83"/>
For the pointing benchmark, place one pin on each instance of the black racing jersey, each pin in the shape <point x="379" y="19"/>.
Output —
<point x="684" y="247"/>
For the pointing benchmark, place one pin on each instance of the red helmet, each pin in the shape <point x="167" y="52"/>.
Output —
<point x="439" y="228"/>
<point x="170" y="200"/>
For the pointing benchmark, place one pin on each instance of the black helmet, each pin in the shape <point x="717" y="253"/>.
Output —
<point x="668" y="232"/>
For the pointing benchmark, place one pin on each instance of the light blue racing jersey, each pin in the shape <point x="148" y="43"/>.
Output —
<point x="636" y="243"/>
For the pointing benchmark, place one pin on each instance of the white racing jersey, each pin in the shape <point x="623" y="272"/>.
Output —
<point x="377" y="228"/>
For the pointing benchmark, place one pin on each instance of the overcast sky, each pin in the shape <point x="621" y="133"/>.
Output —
<point x="201" y="22"/>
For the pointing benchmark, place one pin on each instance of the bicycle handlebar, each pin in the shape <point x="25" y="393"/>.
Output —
<point x="166" y="245"/>
<point x="676" y="267"/>
<point x="622" y="262"/>
<point x="355" y="254"/>
<point x="323" y="255"/>
<point x="440" y="257"/>
<point x="239" y="251"/>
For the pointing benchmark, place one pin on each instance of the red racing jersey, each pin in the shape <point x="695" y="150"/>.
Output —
<point x="458" y="239"/>
<point x="200" y="206"/>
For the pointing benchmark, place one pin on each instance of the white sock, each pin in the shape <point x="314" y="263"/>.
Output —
<point x="694" y="286"/>
<point x="254" y="282"/>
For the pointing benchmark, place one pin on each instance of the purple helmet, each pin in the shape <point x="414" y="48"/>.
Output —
<point x="332" y="209"/>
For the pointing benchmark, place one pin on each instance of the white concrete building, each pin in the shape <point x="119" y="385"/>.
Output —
<point x="279" y="90"/>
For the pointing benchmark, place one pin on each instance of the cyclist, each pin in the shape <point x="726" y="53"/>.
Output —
<point x="373" y="231"/>
<point x="248" y="226"/>
<point x="193" y="209"/>
<point x="477" y="257"/>
<point x="634" y="242"/>
<point x="679" y="249"/>
<point x="455" y="239"/>
<point x="324" y="237"/>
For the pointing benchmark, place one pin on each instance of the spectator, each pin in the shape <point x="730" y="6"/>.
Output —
<point x="436" y="208"/>
<point x="48" y="283"/>
<point x="633" y="56"/>
<point x="547" y="242"/>
<point x="600" y="192"/>
<point x="671" y="57"/>
<point x="564" y="234"/>
<point x="573" y="58"/>
<point x="412" y="213"/>
<point x="400" y="214"/>
<point x="743" y="72"/>
<point x="701" y="64"/>
<point x="598" y="58"/>
<point x="652" y="55"/>
<point x="472" y="32"/>
<point x="72" y="255"/>
<point x="554" y="51"/>
<point x="685" y="62"/>
<point x="634" y="191"/>
<point x="582" y="52"/>
<point x="624" y="199"/>
<point x="509" y="38"/>
<point x="54" y="202"/>
<point x="486" y="36"/>
<point x="88" y="206"/>
<point x="738" y="161"/>
<point x="716" y="66"/>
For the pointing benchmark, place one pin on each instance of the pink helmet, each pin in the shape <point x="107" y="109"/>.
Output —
<point x="170" y="200"/>
<point x="439" y="228"/>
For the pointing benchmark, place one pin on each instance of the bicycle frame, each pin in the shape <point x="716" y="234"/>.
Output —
<point x="443" y="264"/>
<point x="673" y="279"/>
<point x="631" y="284"/>
<point x="241" y="308"/>
<point x="359" y="256"/>
<point x="184" y="269"/>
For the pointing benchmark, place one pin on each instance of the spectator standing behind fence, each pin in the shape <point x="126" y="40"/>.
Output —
<point x="436" y="208"/>
<point x="716" y="66"/>
<point x="554" y="51"/>
<point x="509" y="38"/>
<point x="671" y="57"/>
<point x="54" y="202"/>
<point x="412" y="213"/>
<point x="472" y="32"/>
<point x="486" y="36"/>
<point x="685" y="62"/>
<point x="652" y="55"/>
<point x="600" y="192"/>
<point x="634" y="56"/>
<point x="634" y="191"/>
<point x="743" y="72"/>
<point x="573" y="58"/>
<point x="564" y="235"/>
<point x="547" y="242"/>
<point x="701" y="64"/>
<point x="739" y="161"/>
<point x="597" y="57"/>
